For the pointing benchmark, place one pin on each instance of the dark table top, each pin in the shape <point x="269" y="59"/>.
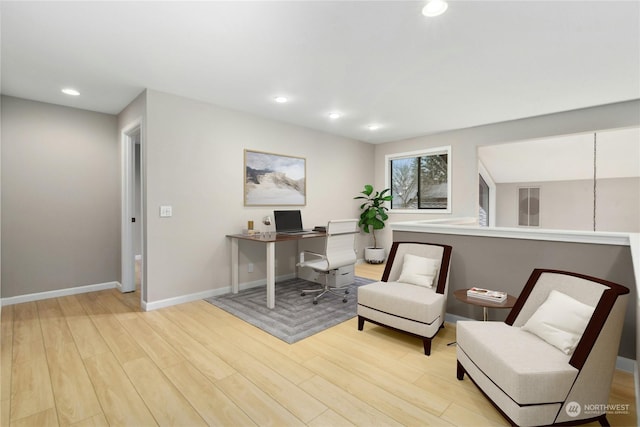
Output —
<point x="461" y="294"/>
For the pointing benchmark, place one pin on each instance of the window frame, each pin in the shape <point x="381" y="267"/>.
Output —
<point x="420" y="153"/>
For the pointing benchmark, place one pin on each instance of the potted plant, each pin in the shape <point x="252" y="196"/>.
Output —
<point x="373" y="214"/>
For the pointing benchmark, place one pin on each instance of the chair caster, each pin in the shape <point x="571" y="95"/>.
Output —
<point x="346" y="292"/>
<point x="315" y="302"/>
<point x="344" y="300"/>
<point x="303" y="294"/>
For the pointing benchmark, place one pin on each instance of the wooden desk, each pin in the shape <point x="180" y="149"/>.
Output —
<point x="461" y="295"/>
<point x="270" y="240"/>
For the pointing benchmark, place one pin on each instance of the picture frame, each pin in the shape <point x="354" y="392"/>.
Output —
<point x="274" y="179"/>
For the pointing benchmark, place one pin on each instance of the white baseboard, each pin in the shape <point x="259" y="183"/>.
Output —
<point x="622" y="363"/>
<point x="148" y="306"/>
<point x="59" y="293"/>
<point x="154" y="305"/>
<point x="453" y="318"/>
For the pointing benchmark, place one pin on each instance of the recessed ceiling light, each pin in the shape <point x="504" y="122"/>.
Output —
<point x="373" y="126"/>
<point x="434" y="8"/>
<point x="70" y="91"/>
<point x="334" y="115"/>
<point x="280" y="99"/>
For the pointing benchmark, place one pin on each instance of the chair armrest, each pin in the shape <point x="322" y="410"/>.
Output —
<point x="315" y="254"/>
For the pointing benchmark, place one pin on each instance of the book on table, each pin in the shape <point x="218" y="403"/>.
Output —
<point x="487" y="294"/>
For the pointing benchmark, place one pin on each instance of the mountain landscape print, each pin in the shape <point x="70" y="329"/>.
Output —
<point x="274" y="179"/>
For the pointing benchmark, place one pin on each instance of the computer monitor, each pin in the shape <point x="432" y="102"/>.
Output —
<point x="287" y="221"/>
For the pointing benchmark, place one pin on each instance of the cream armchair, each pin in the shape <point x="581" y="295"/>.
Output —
<point x="412" y="296"/>
<point x="552" y="360"/>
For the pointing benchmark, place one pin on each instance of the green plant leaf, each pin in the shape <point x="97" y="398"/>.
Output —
<point x="377" y="224"/>
<point x="373" y="211"/>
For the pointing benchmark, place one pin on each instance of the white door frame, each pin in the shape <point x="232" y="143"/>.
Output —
<point x="127" y="282"/>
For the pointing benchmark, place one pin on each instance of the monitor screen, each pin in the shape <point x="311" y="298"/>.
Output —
<point x="288" y="220"/>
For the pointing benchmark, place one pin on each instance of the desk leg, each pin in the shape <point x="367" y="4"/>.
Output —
<point x="271" y="275"/>
<point x="485" y="313"/>
<point x="234" y="265"/>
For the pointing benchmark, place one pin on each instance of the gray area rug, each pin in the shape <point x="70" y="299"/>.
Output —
<point x="294" y="317"/>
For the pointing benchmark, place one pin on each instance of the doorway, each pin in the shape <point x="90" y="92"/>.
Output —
<point x="132" y="262"/>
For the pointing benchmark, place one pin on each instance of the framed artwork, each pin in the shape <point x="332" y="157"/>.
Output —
<point x="274" y="179"/>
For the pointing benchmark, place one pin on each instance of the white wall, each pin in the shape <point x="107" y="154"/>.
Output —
<point x="465" y="142"/>
<point x="194" y="162"/>
<point x="568" y="205"/>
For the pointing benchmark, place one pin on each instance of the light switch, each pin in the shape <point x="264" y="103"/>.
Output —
<point x="165" y="211"/>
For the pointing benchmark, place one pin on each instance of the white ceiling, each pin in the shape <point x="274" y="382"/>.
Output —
<point x="565" y="158"/>
<point x="375" y="61"/>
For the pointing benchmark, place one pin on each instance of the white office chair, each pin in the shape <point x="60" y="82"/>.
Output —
<point x="339" y="252"/>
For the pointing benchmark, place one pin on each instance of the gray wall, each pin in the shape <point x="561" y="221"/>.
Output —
<point x="506" y="264"/>
<point x="0" y="202"/>
<point x="568" y="205"/>
<point x="465" y="143"/>
<point x="61" y="185"/>
<point x="60" y="198"/>
<point x="61" y="192"/>
<point x="194" y="162"/>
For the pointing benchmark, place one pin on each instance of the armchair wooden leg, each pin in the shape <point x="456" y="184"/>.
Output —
<point x="427" y="345"/>
<point x="360" y="323"/>
<point x="459" y="371"/>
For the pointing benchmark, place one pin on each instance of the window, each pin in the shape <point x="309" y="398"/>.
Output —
<point x="529" y="206"/>
<point x="420" y="180"/>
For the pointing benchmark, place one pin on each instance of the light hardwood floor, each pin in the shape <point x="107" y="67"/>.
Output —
<point x="96" y="359"/>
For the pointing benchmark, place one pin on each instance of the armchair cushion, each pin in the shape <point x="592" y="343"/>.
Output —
<point x="560" y="321"/>
<point x="417" y="270"/>
<point x="417" y="303"/>
<point x="526" y="368"/>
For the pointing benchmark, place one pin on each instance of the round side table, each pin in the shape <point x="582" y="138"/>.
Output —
<point x="461" y="295"/>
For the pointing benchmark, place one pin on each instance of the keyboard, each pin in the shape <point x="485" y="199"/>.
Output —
<point x="293" y="233"/>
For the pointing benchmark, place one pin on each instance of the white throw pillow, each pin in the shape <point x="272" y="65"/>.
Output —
<point x="417" y="270"/>
<point x="560" y="321"/>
